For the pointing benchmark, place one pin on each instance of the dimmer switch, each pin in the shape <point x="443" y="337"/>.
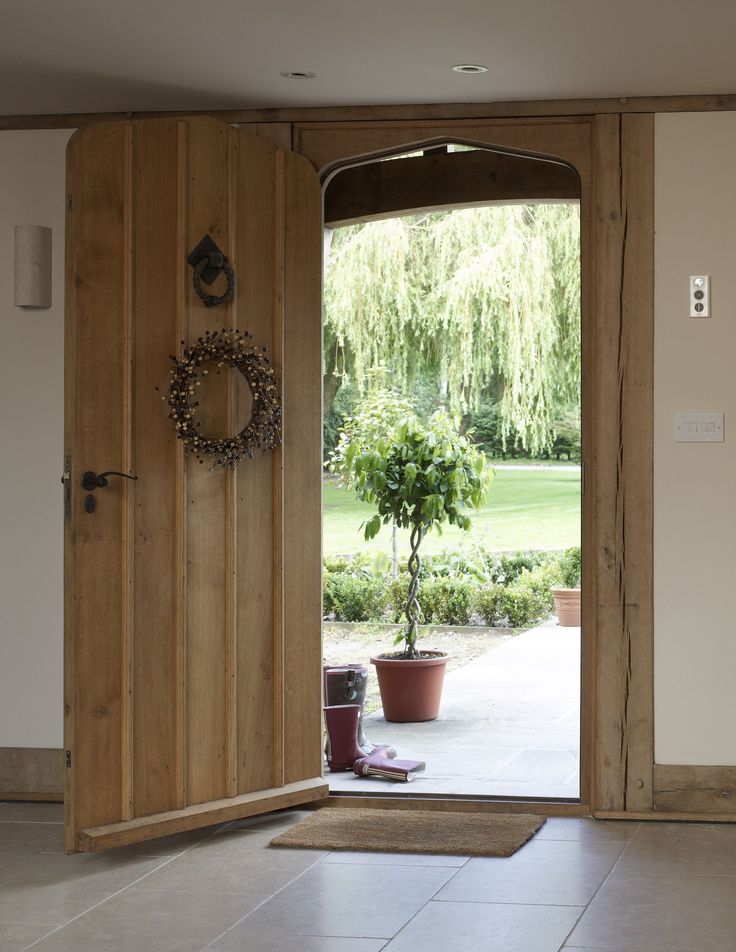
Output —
<point x="699" y="295"/>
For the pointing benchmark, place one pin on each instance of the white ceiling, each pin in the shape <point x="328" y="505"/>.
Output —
<point x="111" y="55"/>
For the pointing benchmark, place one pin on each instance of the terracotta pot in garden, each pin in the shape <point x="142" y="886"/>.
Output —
<point x="411" y="690"/>
<point x="567" y="606"/>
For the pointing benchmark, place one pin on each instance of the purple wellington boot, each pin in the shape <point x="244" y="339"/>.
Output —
<point x="342" y="736"/>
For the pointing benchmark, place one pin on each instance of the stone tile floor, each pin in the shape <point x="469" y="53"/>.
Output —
<point x="579" y="884"/>
<point x="509" y="725"/>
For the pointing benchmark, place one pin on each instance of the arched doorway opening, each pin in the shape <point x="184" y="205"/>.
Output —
<point x="514" y="753"/>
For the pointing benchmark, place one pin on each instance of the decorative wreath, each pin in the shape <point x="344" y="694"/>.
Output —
<point x="225" y="348"/>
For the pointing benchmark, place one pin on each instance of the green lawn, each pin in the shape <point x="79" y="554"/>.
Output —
<point x="526" y="509"/>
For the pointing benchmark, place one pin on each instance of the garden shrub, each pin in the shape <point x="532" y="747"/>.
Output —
<point x="446" y="601"/>
<point x="485" y="604"/>
<point x="395" y="594"/>
<point x="527" y="600"/>
<point x="484" y="588"/>
<point x="569" y="567"/>
<point x="522" y="607"/>
<point x="352" y="598"/>
<point x="508" y="566"/>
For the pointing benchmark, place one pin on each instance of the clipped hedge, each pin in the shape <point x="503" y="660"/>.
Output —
<point x="352" y="597"/>
<point x="486" y="589"/>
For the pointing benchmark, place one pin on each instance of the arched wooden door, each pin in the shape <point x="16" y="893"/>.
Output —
<point x="193" y="595"/>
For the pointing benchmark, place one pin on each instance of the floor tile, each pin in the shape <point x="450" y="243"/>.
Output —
<point x="19" y="841"/>
<point x="244" y="939"/>
<point x="15" y="936"/>
<point x="270" y="821"/>
<point x="486" y="927"/>
<point x="586" y="830"/>
<point x="677" y="913"/>
<point x="137" y="920"/>
<point x="701" y="848"/>
<point x="350" y="900"/>
<point x="547" y="872"/>
<point x="395" y="859"/>
<point x="52" y="888"/>
<point x="225" y="863"/>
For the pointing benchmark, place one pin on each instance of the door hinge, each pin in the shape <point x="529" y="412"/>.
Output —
<point x="70" y="203"/>
<point x="68" y="758"/>
<point x="66" y="480"/>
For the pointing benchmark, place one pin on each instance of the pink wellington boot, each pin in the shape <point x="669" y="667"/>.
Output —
<point x="342" y="736"/>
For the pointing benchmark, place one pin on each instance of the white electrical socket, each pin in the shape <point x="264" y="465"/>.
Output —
<point x="699" y="295"/>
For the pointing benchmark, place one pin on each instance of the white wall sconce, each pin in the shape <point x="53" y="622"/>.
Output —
<point x="32" y="266"/>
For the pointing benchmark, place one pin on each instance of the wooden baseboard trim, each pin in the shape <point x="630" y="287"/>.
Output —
<point x="201" y="814"/>
<point x="31" y="796"/>
<point x="697" y="790"/>
<point x="374" y="802"/>
<point x="31" y="773"/>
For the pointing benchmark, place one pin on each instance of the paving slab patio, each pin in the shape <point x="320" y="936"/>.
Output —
<point x="509" y="725"/>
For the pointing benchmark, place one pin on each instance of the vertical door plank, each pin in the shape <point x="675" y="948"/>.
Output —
<point x="302" y="462"/>
<point x="259" y="276"/>
<point x="208" y="507"/>
<point x="158" y="643"/>
<point x="98" y="613"/>
<point x="624" y="252"/>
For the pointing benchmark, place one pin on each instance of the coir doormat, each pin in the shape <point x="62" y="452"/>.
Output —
<point x="412" y="831"/>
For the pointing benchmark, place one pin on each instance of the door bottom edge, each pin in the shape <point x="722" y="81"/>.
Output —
<point x="192" y="817"/>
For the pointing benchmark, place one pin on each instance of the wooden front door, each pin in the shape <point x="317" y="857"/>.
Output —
<point x="193" y="594"/>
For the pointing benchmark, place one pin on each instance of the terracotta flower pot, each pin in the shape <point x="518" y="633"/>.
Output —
<point x="567" y="606"/>
<point x="411" y="689"/>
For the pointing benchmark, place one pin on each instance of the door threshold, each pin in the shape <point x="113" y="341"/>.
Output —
<point x="456" y="803"/>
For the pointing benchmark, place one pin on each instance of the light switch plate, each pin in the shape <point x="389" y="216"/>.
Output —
<point x="699" y="427"/>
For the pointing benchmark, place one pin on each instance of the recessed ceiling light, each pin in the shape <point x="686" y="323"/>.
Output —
<point x="298" y="74"/>
<point x="470" y="68"/>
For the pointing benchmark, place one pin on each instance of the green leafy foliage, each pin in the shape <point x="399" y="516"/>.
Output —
<point x="485" y="301"/>
<point x="353" y="597"/>
<point x="568" y="574"/>
<point x="508" y="590"/>
<point x="521" y="606"/>
<point x="416" y="474"/>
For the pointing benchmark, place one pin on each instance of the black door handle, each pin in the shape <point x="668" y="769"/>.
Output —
<point x="91" y="481"/>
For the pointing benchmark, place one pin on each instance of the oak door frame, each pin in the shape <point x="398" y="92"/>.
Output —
<point x="614" y="159"/>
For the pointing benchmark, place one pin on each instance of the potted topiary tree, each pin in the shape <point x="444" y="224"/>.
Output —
<point x="567" y="594"/>
<point x="419" y="476"/>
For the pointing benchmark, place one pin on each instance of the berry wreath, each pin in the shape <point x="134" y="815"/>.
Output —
<point x="225" y="348"/>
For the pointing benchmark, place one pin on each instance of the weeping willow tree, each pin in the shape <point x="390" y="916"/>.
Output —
<point x="485" y="300"/>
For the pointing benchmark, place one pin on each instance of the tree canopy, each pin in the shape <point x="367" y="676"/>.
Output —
<point x="484" y="300"/>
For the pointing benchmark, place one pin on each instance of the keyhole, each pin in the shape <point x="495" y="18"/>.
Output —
<point x="90" y="503"/>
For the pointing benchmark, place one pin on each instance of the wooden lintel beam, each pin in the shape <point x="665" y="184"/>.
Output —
<point x="408" y="112"/>
<point x="442" y="180"/>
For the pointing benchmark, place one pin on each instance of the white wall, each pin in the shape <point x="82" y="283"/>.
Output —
<point x="695" y="484"/>
<point x="31" y="434"/>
